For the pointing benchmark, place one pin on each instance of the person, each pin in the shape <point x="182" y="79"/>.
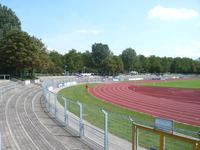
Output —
<point x="86" y="86"/>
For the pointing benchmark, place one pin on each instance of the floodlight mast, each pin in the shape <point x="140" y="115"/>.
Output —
<point x="65" y="70"/>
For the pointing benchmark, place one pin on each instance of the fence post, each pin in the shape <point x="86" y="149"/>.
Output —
<point x="66" y="112"/>
<point x="0" y="141"/>
<point x="55" y="98"/>
<point x="134" y="134"/>
<point x="15" y="87"/>
<point x="105" y="130"/>
<point x="1" y="93"/>
<point x="81" y="126"/>
<point x="46" y="98"/>
<point x="162" y="142"/>
<point x="49" y="105"/>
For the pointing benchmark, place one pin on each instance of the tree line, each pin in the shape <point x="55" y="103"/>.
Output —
<point x="101" y="60"/>
<point x="24" y="55"/>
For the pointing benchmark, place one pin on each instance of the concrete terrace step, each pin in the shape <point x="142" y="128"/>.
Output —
<point x="24" y="124"/>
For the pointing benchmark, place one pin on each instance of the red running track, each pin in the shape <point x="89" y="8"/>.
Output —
<point x="182" y="105"/>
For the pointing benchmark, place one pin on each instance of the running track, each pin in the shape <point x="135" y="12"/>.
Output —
<point x="182" y="105"/>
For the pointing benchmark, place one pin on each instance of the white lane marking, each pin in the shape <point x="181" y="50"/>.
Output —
<point x="33" y="124"/>
<point x="33" y="101"/>
<point x="29" y="92"/>
<point x="6" y="127"/>
<point x="9" y="128"/>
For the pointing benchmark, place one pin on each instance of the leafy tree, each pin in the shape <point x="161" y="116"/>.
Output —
<point x="197" y="64"/>
<point x="128" y="57"/>
<point x="8" y="20"/>
<point x="57" y="59"/>
<point x="108" y="65"/>
<point x="155" y="66"/>
<point x="43" y="62"/>
<point x="166" y="64"/>
<point x="183" y="65"/>
<point x="99" y="53"/>
<point x="144" y="64"/>
<point x="87" y="62"/>
<point x="119" y="66"/>
<point x="20" y="53"/>
<point x="112" y="65"/>
<point x="137" y="64"/>
<point x="74" y="62"/>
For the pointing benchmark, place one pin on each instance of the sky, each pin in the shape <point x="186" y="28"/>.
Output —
<point x="151" y="27"/>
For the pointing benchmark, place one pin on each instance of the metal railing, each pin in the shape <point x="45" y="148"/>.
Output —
<point x="164" y="140"/>
<point x="0" y="141"/>
<point x="71" y="116"/>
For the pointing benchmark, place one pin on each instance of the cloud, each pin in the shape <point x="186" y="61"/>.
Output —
<point x="50" y="49"/>
<point x="90" y="31"/>
<point x="168" y="14"/>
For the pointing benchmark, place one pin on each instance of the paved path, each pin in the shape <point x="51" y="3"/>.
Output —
<point x="24" y="124"/>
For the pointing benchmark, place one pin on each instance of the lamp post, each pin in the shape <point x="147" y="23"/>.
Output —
<point x="84" y="68"/>
<point x="65" y="70"/>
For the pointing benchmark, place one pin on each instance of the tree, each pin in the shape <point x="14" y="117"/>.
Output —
<point x="99" y="53"/>
<point x="119" y="66"/>
<point x="87" y="62"/>
<point x="21" y="53"/>
<point x="144" y="64"/>
<point x="166" y="64"/>
<point x="128" y="57"/>
<point x="137" y="64"/>
<point x="182" y="65"/>
<point x="57" y="59"/>
<point x="155" y="66"/>
<point x="197" y="64"/>
<point x="73" y="60"/>
<point x="112" y="65"/>
<point x="8" y="20"/>
<point x="43" y="62"/>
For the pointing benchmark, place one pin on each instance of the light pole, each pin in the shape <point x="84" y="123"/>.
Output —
<point x="65" y="70"/>
<point x="84" y="69"/>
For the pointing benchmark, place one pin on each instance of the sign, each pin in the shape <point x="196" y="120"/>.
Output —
<point x="164" y="124"/>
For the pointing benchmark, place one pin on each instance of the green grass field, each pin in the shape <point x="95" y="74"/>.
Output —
<point x="194" y="83"/>
<point x="118" y="120"/>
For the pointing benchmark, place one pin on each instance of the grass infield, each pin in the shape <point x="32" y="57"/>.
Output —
<point x="193" y="83"/>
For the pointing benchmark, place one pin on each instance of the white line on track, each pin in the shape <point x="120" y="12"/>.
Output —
<point x="9" y="128"/>
<point x="33" y="100"/>
<point x="20" y="120"/>
<point x="37" y="93"/>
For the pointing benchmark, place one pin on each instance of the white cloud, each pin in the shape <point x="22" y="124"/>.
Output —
<point x="50" y="49"/>
<point x="90" y="31"/>
<point x="167" y="13"/>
